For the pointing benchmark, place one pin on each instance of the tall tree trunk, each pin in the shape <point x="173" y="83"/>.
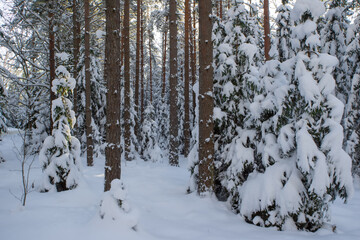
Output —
<point x="164" y="61"/>
<point x="194" y="54"/>
<point x="112" y="78"/>
<point x="127" y="115"/>
<point x="206" y="102"/>
<point x="174" y="158"/>
<point x="51" y="55"/>
<point x="267" y="29"/>
<point x="89" y="140"/>
<point x="137" y="66"/>
<point x="186" y="84"/>
<point x="76" y="49"/>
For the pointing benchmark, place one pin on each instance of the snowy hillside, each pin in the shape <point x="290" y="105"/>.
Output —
<point x="156" y="192"/>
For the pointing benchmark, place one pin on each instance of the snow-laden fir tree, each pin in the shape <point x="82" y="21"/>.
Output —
<point x="114" y="206"/>
<point x="236" y="60"/>
<point x="98" y="103"/>
<point x="60" y="154"/>
<point x="163" y="123"/>
<point x="281" y="46"/>
<point x="308" y="167"/>
<point x="352" y="113"/>
<point x="333" y="42"/>
<point x="150" y="148"/>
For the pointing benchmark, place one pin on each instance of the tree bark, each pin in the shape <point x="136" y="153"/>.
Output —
<point x="127" y="115"/>
<point x="206" y="102"/>
<point x="89" y="140"/>
<point x="266" y="29"/>
<point x="173" y="158"/>
<point x="112" y="78"/>
<point x="186" y="84"/>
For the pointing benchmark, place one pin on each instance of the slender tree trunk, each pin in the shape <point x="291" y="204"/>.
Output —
<point x="89" y="140"/>
<point x="267" y="29"/>
<point x="194" y="54"/>
<point x="206" y="102"/>
<point x="137" y="66"/>
<point x="51" y="55"/>
<point x="76" y="50"/>
<point x="127" y="116"/>
<point x="174" y="158"/>
<point x="186" y="84"/>
<point x="112" y="78"/>
<point x="164" y="62"/>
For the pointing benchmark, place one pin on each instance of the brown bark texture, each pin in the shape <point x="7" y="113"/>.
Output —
<point x="206" y="102"/>
<point x="173" y="158"/>
<point x="266" y="29"/>
<point x="112" y="78"/>
<point x="150" y="66"/>
<point x="187" y="80"/>
<point x="127" y="130"/>
<point x="88" y="128"/>
<point x="142" y="85"/>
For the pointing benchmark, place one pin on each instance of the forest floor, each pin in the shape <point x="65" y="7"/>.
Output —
<point x="156" y="191"/>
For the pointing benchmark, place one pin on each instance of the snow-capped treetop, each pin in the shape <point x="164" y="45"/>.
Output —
<point x="315" y="7"/>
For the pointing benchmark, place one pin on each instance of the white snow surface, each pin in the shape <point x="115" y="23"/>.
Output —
<point x="156" y="191"/>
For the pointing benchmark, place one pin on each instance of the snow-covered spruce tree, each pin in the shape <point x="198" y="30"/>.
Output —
<point x="98" y="103"/>
<point x="333" y="42"/>
<point x="236" y="60"/>
<point x="115" y="207"/>
<point x="60" y="154"/>
<point x="310" y="168"/>
<point x="150" y="148"/>
<point x="282" y="48"/>
<point x="352" y="113"/>
<point x="163" y="123"/>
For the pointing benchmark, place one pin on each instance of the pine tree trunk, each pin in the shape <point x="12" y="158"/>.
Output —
<point x="89" y="140"/>
<point x="266" y="29"/>
<point x="221" y="9"/>
<point x="206" y="103"/>
<point x="137" y="67"/>
<point x="186" y="85"/>
<point x="51" y="55"/>
<point x="127" y="115"/>
<point x="112" y="77"/>
<point x="76" y="51"/>
<point x="173" y="158"/>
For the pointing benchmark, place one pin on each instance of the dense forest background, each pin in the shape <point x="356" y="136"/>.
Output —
<point x="261" y="97"/>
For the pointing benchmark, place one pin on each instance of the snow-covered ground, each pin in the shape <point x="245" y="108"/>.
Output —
<point x="157" y="192"/>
